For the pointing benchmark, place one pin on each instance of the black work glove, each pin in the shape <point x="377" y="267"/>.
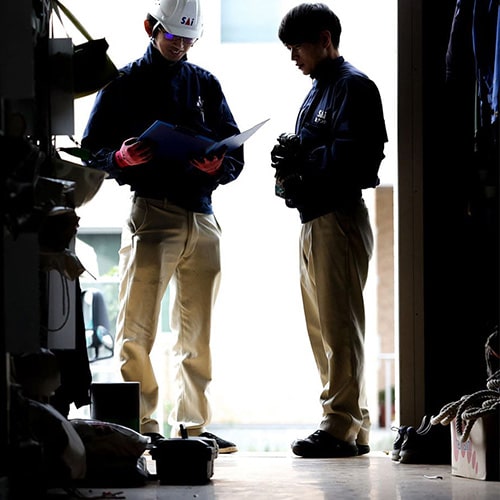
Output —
<point x="286" y="159"/>
<point x="286" y="152"/>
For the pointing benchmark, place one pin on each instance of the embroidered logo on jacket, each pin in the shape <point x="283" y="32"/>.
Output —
<point x="320" y="117"/>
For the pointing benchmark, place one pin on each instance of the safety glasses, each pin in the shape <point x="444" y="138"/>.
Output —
<point x="168" y="36"/>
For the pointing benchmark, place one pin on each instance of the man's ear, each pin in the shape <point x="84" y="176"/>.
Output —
<point x="148" y="27"/>
<point x="325" y="38"/>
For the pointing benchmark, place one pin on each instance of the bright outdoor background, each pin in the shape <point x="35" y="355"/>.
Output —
<point x="263" y="370"/>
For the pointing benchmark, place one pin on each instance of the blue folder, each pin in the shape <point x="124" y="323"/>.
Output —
<point x="179" y="143"/>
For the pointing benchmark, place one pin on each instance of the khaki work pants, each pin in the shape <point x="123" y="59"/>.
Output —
<point x="335" y="250"/>
<point x="164" y="244"/>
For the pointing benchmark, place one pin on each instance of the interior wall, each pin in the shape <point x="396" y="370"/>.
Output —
<point x="448" y="231"/>
<point x="461" y="231"/>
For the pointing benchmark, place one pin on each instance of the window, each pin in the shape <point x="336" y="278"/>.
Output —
<point x="249" y="22"/>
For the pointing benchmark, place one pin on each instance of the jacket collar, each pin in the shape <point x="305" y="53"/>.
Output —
<point x="153" y="56"/>
<point x="327" y="69"/>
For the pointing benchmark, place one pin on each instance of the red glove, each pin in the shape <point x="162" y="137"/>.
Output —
<point x="133" y="152"/>
<point x="209" y="165"/>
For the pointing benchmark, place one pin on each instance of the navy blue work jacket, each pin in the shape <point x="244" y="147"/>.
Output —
<point x="342" y="129"/>
<point x="152" y="88"/>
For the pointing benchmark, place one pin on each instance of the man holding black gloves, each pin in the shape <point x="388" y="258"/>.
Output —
<point x="174" y="235"/>
<point x="321" y="170"/>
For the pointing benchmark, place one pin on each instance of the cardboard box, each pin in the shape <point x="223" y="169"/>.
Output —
<point x="478" y="457"/>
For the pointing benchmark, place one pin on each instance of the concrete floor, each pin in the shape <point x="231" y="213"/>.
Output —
<point x="281" y="475"/>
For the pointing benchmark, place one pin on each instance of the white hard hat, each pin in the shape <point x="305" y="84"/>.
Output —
<point x="179" y="17"/>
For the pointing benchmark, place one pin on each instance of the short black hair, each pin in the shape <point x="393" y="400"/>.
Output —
<point x="306" y="21"/>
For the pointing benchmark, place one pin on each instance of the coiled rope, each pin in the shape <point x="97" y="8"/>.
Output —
<point x="470" y="407"/>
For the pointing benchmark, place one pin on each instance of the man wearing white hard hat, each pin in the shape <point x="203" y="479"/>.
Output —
<point x="171" y="235"/>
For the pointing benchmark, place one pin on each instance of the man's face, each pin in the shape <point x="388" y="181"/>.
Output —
<point x="307" y="55"/>
<point x="171" y="47"/>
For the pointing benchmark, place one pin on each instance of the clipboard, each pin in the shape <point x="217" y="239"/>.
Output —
<point x="179" y="143"/>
